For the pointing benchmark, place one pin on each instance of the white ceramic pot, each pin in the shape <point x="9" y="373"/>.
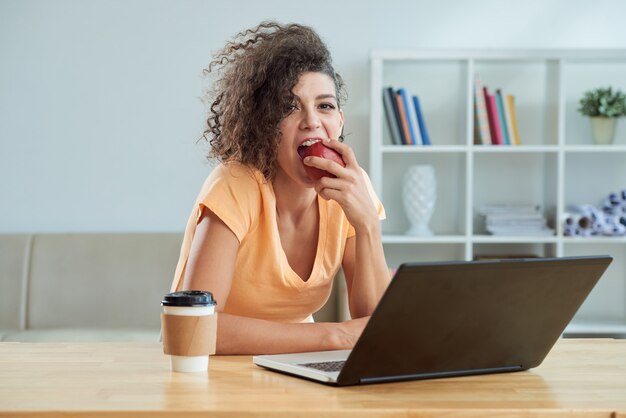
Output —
<point x="603" y="130"/>
<point x="419" y="193"/>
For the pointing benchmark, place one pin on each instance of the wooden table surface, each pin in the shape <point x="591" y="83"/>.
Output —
<point x="578" y="378"/>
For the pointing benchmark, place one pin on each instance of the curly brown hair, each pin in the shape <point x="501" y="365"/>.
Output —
<point x="252" y="94"/>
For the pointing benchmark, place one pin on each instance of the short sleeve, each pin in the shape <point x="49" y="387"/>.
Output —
<point x="377" y="203"/>
<point x="232" y="193"/>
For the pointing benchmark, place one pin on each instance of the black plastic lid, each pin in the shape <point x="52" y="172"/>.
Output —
<point x="189" y="298"/>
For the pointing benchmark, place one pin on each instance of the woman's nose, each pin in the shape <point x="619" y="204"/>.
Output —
<point x="310" y="120"/>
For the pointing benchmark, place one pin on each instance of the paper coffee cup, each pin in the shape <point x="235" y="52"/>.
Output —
<point x="190" y="340"/>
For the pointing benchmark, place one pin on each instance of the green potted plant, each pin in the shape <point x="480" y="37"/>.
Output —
<point x="603" y="106"/>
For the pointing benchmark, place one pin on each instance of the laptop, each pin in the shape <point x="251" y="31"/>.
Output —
<point x="456" y="319"/>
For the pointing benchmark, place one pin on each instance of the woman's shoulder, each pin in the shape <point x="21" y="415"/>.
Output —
<point x="233" y="182"/>
<point x="236" y="170"/>
<point x="235" y="174"/>
<point x="233" y="193"/>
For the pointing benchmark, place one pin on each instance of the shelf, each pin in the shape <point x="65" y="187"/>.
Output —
<point x="556" y="165"/>
<point x="504" y="239"/>
<point x="578" y="77"/>
<point x="499" y="54"/>
<point x="486" y="149"/>
<point x="408" y="149"/>
<point x="497" y="239"/>
<point x="436" y="239"/>
<point x="595" y="148"/>
<point x="594" y="240"/>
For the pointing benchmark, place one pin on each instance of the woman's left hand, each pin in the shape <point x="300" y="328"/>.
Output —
<point x="349" y="188"/>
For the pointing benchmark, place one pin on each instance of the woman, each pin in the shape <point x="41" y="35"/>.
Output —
<point x="264" y="237"/>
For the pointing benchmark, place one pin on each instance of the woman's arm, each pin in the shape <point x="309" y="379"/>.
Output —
<point x="242" y="335"/>
<point x="211" y="266"/>
<point x="365" y="268"/>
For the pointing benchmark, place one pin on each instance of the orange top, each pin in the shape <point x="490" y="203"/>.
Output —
<point x="264" y="285"/>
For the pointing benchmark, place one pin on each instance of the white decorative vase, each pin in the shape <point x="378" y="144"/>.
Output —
<point x="603" y="130"/>
<point x="419" y="193"/>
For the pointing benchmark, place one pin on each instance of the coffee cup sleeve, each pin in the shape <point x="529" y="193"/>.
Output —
<point x="189" y="335"/>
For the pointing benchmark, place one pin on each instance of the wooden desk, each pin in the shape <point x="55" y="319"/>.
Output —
<point x="579" y="377"/>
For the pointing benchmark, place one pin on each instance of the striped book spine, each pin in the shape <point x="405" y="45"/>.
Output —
<point x="510" y="99"/>
<point x="482" y="117"/>
<point x="502" y="116"/>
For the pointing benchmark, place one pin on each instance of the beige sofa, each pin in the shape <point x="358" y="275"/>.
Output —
<point x="93" y="286"/>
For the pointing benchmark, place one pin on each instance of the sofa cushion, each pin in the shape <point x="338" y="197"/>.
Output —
<point x="13" y="272"/>
<point x="82" y="335"/>
<point x="100" y="281"/>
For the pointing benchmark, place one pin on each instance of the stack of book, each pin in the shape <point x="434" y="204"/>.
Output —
<point x="515" y="220"/>
<point x="404" y="116"/>
<point x="495" y="122"/>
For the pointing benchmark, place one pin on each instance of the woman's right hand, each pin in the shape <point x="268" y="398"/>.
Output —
<point x="348" y="187"/>
<point x="345" y="334"/>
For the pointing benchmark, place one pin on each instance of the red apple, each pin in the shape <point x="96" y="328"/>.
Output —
<point x="320" y="150"/>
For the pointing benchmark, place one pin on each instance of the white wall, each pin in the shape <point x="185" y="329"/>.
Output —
<point x="99" y="100"/>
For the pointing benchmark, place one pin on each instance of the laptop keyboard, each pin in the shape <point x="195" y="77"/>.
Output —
<point x="325" y="366"/>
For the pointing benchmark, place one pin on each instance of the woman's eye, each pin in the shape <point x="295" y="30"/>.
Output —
<point x="327" y="106"/>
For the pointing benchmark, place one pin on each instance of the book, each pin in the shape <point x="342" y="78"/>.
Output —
<point x="521" y="231"/>
<point x="538" y="221"/>
<point x="510" y="100"/>
<point x="507" y="118"/>
<point x="390" y="113"/>
<point x="502" y="118"/>
<point x="415" y="119"/>
<point x="494" y="120"/>
<point x="410" y="115"/>
<point x="421" y="122"/>
<point x="397" y="112"/>
<point x="403" y="122"/>
<point x="480" y="113"/>
<point x="492" y="130"/>
<point x="512" y="219"/>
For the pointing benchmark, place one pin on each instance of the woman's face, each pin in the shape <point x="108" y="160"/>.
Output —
<point x="316" y="115"/>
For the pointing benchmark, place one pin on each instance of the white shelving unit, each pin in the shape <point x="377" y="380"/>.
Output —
<point x="555" y="166"/>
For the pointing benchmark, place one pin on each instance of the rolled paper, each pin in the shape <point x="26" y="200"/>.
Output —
<point x="586" y="219"/>
<point x="585" y="222"/>
<point x="570" y="231"/>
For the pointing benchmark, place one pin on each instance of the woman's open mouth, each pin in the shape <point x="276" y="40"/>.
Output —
<point x="302" y="148"/>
